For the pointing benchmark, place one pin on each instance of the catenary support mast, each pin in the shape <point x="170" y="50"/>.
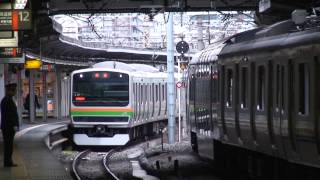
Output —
<point x="171" y="84"/>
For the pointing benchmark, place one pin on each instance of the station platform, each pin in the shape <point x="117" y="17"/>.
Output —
<point x="34" y="159"/>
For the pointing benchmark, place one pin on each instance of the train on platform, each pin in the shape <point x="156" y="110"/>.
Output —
<point x="254" y="102"/>
<point x="113" y="103"/>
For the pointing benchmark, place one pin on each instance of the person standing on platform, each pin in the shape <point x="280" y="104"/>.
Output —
<point x="9" y="123"/>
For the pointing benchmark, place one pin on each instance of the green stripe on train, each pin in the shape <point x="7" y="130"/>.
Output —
<point x="102" y="114"/>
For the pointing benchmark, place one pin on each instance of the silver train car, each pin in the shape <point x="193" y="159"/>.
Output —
<point x="114" y="102"/>
<point x="254" y="101"/>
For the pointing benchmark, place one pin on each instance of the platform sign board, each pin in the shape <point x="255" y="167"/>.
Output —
<point x="10" y="42"/>
<point x="6" y="60"/>
<point x="47" y="67"/>
<point x="10" y="52"/>
<point x="13" y="20"/>
<point x="32" y="64"/>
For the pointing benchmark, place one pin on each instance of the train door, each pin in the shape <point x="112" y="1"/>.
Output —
<point x="221" y="114"/>
<point x="230" y="101"/>
<point x="215" y="100"/>
<point x="282" y="106"/>
<point x="191" y="93"/>
<point x="317" y="102"/>
<point x="244" y="103"/>
<point x="261" y="106"/>
<point x="304" y="118"/>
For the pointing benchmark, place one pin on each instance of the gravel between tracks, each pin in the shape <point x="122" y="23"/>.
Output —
<point x="190" y="166"/>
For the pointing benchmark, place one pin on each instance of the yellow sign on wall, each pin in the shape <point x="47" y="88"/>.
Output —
<point x="32" y="64"/>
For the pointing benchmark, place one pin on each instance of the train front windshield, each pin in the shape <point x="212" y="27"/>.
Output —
<point x="100" y="88"/>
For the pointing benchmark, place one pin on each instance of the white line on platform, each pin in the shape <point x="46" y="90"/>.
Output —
<point x="24" y="131"/>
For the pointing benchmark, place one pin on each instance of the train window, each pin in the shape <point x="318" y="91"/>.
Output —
<point x="163" y="92"/>
<point x="229" y="84"/>
<point x="139" y="89"/>
<point x="157" y="93"/>
<point x="147" y="93"/>
<point x="261" y="88"/>
<point x="192" y="89"/>
<point x="282" y="87"/>
<point x="153" y="92"/>
<point x="142" y="94"/>
<point x="277" y="80"/>
<point x="165" y="99"/>
<point x="303" y="88"/>
<point x="146" y="96"/>
<point x="244" y="88"/>
<point x="215" y="88"/>
<point x="134" y="89"/>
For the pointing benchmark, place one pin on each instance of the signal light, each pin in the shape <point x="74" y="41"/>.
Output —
<point x="80" y="98"/>
<point x="105" y="75"/>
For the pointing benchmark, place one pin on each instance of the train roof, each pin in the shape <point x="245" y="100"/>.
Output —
<point x="126" y="67"/>
<point x="209" y="54"/>
<point x="136" y="70"/>
<point x="284" y="34"/>
<point x="144" y="68"/>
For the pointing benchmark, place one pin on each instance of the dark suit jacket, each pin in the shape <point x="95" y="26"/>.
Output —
<point x="9" y="114"/>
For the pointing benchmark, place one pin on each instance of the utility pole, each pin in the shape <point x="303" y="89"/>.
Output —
<point x="170" y="84"/>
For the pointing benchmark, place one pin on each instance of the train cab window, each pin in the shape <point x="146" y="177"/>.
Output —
<point x="303" y="88"/>
<point x="261" y="88"/>
<point x="230" y="83"/>
<point x="244" y="88"/>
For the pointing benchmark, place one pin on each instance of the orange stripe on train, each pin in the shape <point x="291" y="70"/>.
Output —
<point x="101" y="110"/>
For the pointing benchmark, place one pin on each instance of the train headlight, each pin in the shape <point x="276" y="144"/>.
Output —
<point x="100" y="129"/>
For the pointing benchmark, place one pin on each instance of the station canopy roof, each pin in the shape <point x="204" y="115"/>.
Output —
<point x="53" y="48"/>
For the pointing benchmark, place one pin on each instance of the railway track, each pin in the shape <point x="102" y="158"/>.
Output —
<point x="82" y="159"/>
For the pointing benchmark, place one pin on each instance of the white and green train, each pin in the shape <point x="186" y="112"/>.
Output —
<point x="113" y="102"/>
